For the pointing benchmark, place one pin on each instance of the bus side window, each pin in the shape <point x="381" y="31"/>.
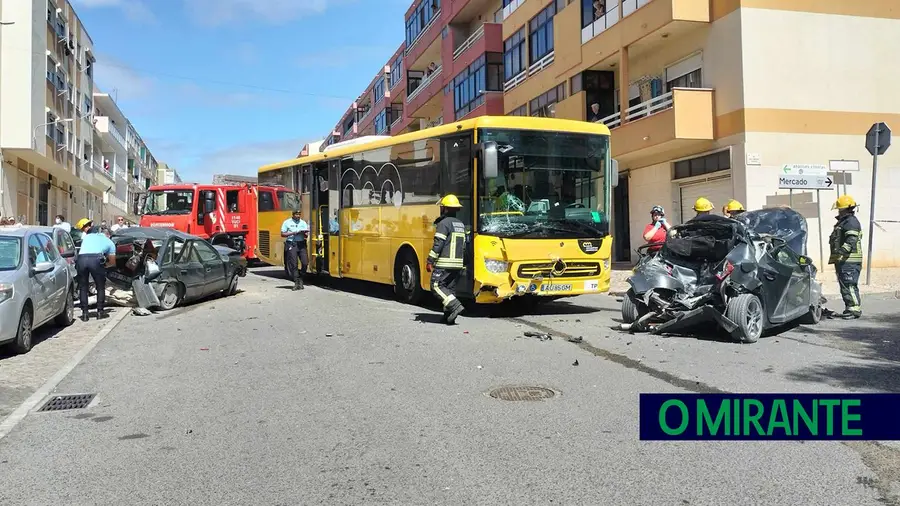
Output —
<point x="266" y="201"/>
<point x="232" y="201"/>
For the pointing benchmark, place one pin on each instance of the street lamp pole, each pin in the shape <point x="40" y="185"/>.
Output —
<point x="34" y="132"/>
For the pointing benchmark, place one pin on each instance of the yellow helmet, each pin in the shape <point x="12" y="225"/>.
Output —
<point x="844" y="202"/>
<point x="83" y="222"/>
<point x="733" y="205"/>
<point x="450" y="201"/>
<point x="703" y="204"/>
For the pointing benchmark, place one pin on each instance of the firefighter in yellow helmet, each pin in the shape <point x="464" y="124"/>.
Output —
<point x="703" y="207"/>
<point x="446" y="258"/>
<point x="733" y="208"/>
<point x="846" y="254"/>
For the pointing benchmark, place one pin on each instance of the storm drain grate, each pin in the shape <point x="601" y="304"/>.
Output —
<point x="64" y="402"/>
<point x="522" y="393"/>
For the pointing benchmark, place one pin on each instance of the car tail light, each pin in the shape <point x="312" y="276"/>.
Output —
<point x="727" y="269"/>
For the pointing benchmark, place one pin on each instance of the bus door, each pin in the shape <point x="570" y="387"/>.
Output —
<point x="318" y="222"/>
<point x="456" y="178"/>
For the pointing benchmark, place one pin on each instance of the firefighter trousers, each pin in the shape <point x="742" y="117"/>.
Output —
<point x="294" y="252"/>
<point x="443" y="284"/>
<point x="848" y="281"/>
<point x="91" y="266"/>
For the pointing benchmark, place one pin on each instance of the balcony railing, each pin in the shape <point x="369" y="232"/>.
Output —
<point x="117" y="203"/>
<point x="515" y="81"/>
<point x="601" y="23"/>
<point x="120" y="172"/>
<point x="424" y="84"/>
<point x="541" y="64"/>
<point x="509" y="9"/>
<point x="469" y="42"/>
<point x="436" y="16"/>
<point x="629" y="6"/>
<point x="642" y="110"/>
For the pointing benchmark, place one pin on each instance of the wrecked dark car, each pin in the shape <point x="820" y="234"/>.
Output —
<point x="165" y="267"/>
<point x="743" y="275"/>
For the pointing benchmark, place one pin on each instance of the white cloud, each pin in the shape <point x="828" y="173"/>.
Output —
<point x="115" y="76"/>
<point x="135" y="10"/>
<point x="218" y="12"/>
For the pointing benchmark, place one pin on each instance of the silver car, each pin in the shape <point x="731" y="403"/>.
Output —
<point x="36" y="284"/>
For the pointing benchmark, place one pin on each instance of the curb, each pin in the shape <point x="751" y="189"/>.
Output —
<point x="8" y="424"/>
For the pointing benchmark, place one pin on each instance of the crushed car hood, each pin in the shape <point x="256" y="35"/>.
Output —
<point x="781" y="222"/>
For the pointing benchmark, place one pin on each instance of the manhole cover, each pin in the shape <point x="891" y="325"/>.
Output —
<point x="522" y="393"/>
<point x="64" y="402"/>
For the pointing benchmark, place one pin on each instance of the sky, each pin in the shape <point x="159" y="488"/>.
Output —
<point x="225" y="86"/>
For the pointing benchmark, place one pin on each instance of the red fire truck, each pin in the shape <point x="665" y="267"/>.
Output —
<point x="222" y="214"/>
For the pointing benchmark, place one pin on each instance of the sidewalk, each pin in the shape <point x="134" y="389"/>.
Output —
<point x="885" y="280"/>
<point x="22" y="375"/>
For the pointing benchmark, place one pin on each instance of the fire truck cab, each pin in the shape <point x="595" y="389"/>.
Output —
<point x="221" y="214"/>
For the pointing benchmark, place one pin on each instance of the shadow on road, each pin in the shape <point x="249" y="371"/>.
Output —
<point x="873" y="339"/>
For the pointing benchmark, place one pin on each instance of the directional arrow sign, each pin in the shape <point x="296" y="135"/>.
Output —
<point x="804" y="169"/>
<point x="815" y="182"/>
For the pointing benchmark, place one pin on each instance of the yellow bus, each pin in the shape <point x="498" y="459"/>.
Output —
<point x="535" y="193"/>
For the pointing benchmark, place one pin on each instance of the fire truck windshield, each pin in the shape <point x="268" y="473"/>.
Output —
<point x="169" y="202"/>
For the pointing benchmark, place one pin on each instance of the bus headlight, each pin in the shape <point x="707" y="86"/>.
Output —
<point x="606" y="264"/>
<point x="6" y="292"/>
<point x="496" y="266"/>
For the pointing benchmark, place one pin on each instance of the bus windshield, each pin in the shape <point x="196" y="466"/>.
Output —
<point x="169" y="202"/>
<point x="549" y="185"/>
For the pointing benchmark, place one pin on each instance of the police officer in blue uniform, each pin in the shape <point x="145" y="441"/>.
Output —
<point x="295" y="230"/>
<point x="96" y="254"/>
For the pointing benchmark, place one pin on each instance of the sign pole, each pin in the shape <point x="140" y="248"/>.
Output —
<point x="821" y="250"/>
<point x="872" y="210"/>
<point x="791" y="198"/>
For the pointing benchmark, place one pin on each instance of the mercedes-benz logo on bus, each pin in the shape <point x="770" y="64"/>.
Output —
<point x="559" y="267"/>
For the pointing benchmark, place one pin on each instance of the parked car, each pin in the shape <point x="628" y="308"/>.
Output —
<point x="178" y="267"/>
<point x="36" y="284"/>
<point x="743" y="275"/>
<point x="64" y="243"/>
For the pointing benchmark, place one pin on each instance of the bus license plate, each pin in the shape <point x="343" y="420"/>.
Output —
<point x="556" y="288"/>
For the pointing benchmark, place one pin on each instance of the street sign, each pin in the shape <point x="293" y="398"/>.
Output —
<point x="796" y="182"/>
<point x="878" y="139"/>
<point x="843" y="166"/>
<point x="804" y="169"/>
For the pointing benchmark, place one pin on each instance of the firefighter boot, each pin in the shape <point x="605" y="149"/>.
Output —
<point x="453" y="310"/>
<point x="298" y="283"/>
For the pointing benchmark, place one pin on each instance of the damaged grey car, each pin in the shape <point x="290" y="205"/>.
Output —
<point x="744" y="275"/>
<point x="165" y="268"/>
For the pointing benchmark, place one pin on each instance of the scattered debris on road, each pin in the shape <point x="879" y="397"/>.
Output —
<point x="543" y="336"/>
<point x="575" y="363"/>
<point x="204" y="349"/>
<point x="576" y="339"/>
<point x="140" y="311"/>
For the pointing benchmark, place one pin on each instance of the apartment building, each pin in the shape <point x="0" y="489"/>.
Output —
<point x="166" y="174"/>
<point x="703" y="97"/>
<point x="61" y="139"/>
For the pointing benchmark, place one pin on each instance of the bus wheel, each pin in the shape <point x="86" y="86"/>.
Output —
<point x="407" y="280"/>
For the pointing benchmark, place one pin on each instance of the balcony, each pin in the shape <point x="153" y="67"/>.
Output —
<point x="479" y="33"/>
<point x="424" y="83"/>
<point x="118" y="204"/>
<point x="109" y="132"/>
<point x="628" y="21"/>
<point x="675" y="120"/>
<point x="119" y="171"/>
<point x="512" y="7"/>
<point x="84" y="171"/>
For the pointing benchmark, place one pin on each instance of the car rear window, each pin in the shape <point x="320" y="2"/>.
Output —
<point x="10" y="253"/>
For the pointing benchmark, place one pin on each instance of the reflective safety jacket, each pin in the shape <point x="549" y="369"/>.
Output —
<point x="846" y="241"/>
<point x="449" y="244"/>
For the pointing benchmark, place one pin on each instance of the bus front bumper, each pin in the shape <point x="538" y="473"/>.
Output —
<point x="551" y="287"/>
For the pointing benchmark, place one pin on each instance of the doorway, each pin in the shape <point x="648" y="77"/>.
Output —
<point x="622" y="226"/>
<point x="319" y="221"/>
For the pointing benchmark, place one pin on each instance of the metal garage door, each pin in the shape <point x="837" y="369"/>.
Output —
<point x="718" y="190"/>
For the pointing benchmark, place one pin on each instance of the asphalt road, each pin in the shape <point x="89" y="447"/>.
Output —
<point x="337" y="395"/>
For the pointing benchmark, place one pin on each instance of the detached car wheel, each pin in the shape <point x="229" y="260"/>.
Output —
<point x="631" y="311"/>
<point x="747" y="312"/>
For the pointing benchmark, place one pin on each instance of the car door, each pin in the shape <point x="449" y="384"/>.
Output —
<point x="213" y="268"/>
<point x="42" y="286"/>
<point x="775" y="278"/>
<point x="60" y="274"/>
<point x="190" y="271"/>
<point x="65" y="244"/>
<point x="796" y="299"/>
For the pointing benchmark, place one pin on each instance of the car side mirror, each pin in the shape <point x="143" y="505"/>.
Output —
<point x="42" y="267"/>
<point x="488" y="155"/>
<point x="614" y="172"/>
<point x="805" y="260"/>
<point x="69" y="254"/>
<point x="152" y="271"/>
<point x="209" y="205"/>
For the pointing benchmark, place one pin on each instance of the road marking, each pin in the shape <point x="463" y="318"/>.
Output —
<point x="22" y="411"/>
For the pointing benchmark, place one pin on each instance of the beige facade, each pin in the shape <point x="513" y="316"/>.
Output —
<point x="54" y="154"/>
<point x="713" y="98"/>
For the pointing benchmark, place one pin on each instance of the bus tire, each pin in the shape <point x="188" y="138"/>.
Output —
<point x="407" y="278"/>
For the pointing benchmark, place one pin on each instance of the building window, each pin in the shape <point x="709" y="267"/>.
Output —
<point x="540" y="38"/>
<point x="381" y="122"/>
<point x="689" y="80"/>
<point x="545" y="105"/>
<point x="592" y="10"/>
<point x="396" y="71"/>
<point x="379" y="89"/>
<point x="701" y="165"/>
<point x="522" y="110"/>
<point x="421" y="17"/>
<point x="471" y="84"/>
<point x="514" y="55"/>
<point x="576" y="84"/>
<point x="395" y="113"/>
